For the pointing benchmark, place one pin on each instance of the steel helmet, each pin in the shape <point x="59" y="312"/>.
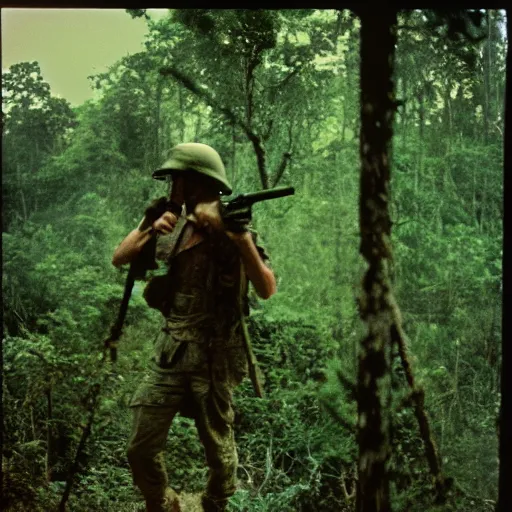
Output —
<point x="197" y="157"/>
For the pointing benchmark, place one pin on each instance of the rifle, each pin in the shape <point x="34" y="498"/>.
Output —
<point x="235" y="215"/>
<point x="145" y="260"/>
<point x="237" y="212"/>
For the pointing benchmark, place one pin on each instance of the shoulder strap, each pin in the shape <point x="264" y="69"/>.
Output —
<point x="167" y="245"/>
<point x="181" y="234"/>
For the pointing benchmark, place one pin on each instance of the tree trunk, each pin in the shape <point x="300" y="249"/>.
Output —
<point x="182" y="115"/>
<point x="421" y="131"/>
<point x="21" y="192"/>
<point x="448" y="116"/>
<point x="378" y="39"/>
<point x="482" y="205"/>
<point x="198" y="127"/>
<point x="505" y="420"/>
<point x="344" y="122"/>
<point x="498" y="97"/>
<point x="233" y="156"/>
<point x="158" y="107"/>
<point x="49" y="435"/>
<point x="474" y="205"/>
<point x="33" y="423"/>
<point x="165" y="138"/>
<point x="350" y="86"/>
<point x="404" y="112"/>
<point x="487" y="80"/>
<point x="337" y="276"/>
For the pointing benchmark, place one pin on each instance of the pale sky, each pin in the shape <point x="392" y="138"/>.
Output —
<point x="70" y="44"/>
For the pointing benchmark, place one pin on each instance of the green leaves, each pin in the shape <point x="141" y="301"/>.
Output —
<point x="138" y="13"/>
<point x="36" y="126"/>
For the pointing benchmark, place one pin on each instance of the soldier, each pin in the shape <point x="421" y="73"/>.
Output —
<point x="199" y="355"/>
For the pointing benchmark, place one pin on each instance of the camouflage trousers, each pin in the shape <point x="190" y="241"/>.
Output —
<point x="193" y="394"/>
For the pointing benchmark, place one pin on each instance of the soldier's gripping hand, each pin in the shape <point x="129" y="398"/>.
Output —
<point x="208" y="214"/>
<point x="166" y="223"/>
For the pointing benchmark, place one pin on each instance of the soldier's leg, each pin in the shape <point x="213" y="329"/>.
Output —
<point x="214" y="423"/>
<point x="145" y="449"/>
<point x="154" y="406"/>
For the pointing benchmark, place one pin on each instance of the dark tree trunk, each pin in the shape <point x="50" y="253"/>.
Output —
<point x="378" y="38"/>
<point x="404" y="111"/>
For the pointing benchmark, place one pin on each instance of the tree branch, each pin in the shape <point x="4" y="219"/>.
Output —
<point x="352" y="495"/>
<point x="228" y="113"/>
<point x="266" y="135"/>
<point x="282" y="167"/>
<point x="205" y="95"/>
<point x="417" y="396"/>
<point x="253" y="61"/>
<point x="349" y="386"/>
<point x="287" y="155"/>
<point x="339" y="419"/>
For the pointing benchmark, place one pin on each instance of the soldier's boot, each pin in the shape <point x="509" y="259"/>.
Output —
<point x="213" y="505"/>
<point x="169" y="503"/>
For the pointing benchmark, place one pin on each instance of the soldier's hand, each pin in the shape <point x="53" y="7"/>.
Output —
<point x="239" y="237"/>
<point x="208" y="214"/>
<point x="166" y="223"/>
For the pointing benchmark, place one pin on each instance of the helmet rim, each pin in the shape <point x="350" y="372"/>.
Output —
<point x="195" y="156"/>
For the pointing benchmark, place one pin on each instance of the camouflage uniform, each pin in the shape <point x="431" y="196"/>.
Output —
<point x="199" y="358"/>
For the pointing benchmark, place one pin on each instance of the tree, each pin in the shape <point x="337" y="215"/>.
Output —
<point x="36" y="125"/>
<point x="505" y="423"/>
<point x="260" y="70"/>
<point x="377" y="303"/>
<point x="133" y="97"/>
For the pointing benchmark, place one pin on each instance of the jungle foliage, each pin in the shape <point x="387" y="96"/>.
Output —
<point x="280" y="103"/>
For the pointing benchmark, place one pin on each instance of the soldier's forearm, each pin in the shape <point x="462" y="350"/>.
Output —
<point x="130" y="246"/>
<point x="258" y="273"/>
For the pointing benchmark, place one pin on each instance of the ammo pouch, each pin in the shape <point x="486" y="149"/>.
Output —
<point x="156" y="292"/>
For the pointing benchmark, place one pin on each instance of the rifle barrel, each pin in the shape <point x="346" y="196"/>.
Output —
<point x="262" y="195"/>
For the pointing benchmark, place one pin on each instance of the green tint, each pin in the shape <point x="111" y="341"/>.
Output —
<point x="77" y="179"/>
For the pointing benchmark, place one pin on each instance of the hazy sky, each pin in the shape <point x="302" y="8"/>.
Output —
<point x="69" y="44"/>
